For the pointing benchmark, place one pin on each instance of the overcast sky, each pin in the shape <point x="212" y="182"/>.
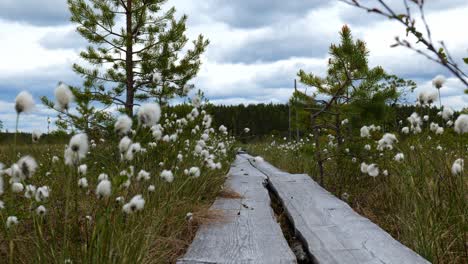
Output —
<point x="257" y="47"/>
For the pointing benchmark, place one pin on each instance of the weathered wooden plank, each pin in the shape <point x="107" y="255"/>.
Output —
<point x="331" y="230"/>
<point x="250" y="233"/>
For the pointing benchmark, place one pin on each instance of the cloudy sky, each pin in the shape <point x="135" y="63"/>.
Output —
<point x="257" y="47"/>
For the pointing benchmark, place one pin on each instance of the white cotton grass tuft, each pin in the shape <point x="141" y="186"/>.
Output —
<point x="427" y="97"/>
<point x="123" y="125"/>
<point x="386" y="142"/>
<point x="27" y="166"/>
<point x="151" y="188"/>
<point x="63" y="97"/>
<point x="194" y="172"/>
<point x="399" y="157"/>
<point x="17" y="187"/>
<point x="104" y="189"/>
<point x="36" y="135"/>
<point x="149" y="114"/>
<point x="83" y="183"/>
<point x="42" y="193"/>
<point x="365" y="133"/>
<point x="461" y="124"/>
<point x="24" y="102"/>
<point x="137" y="203"/>
<point x="415" y="121"/>
<point x="77" y="149"/>
<point x="438" y="81"/>
<point x="167" y="176"/>
<point x="103" y="177"/>
<point x="405" y="130"/>
<point x="458" y="167"/>
<point x="132" y="150"/>
<point x="11" y="221"/>
<point x="82" y="169"/>
<point x="124" y="144"/>
<point x="30" y="191"/>
<point x="222" y="129"/>
<point x="143" y="175"/>
<point x="447" y="113"/>
<point x="41" y="210"/>
<point x="373" y="170"/>
<point x="364" y="167"/>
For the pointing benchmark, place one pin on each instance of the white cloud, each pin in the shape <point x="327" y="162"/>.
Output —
<point x="250" y="61"/>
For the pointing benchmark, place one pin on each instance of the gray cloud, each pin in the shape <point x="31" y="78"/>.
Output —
<point x="257" y="13"/>
<point x="35" y="12"/>
<point x="280" y="46"/>
<point x="69" y="39"/>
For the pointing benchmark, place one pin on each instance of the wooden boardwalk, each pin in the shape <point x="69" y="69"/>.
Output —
<point x="250" y="234"/>
<point x="329" y="229"/>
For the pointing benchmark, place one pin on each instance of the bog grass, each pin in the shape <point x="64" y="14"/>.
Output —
<point x="80" y="227"/>
<point x="420" y="202"/>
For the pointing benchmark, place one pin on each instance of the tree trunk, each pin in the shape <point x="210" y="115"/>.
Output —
<point x="129" y="61"/>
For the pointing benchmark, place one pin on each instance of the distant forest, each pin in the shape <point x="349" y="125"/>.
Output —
<point x="267" y="119"/>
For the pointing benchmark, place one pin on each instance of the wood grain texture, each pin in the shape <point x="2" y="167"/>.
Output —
<point x="250" y="233"/>
<point x="331" y="230"/>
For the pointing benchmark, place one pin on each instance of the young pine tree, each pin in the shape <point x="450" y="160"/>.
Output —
<point x="137" y="51"/>
<point x="354" y="86"/>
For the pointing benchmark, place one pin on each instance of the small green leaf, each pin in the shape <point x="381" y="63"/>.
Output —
<point x="465" y="60"/>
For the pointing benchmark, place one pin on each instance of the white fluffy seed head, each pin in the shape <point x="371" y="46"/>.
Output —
<point x="149" y="114"/>
<point x="399" y="157"/>
<point x="124" y="144"/>
<point x="123" y="125"/>
<point x="30" y="191"/>
<point x="194" y="172"/>
<point x="365" y="132"/>
<point x="24" y="102"/>
<point x="83" y="183"/>
<point x="41" y="210"/>
<point x="447" y="113"/>
<point x="373" y="170"/>
<point x="137" y="203"/>
<point x="364" y="167"/>
<point x="42" y="193"/>
<point x="36" y="135"/>
<point x="438" y="81"/>
<point x="461" y="124"/>
<point x="63" y="96"/>
<point x="28" y="166"/>
<point x="458" y="167"/>
<point x="143" y="175"/>
<point x="82" y="169"/>
<point x="17" y="187"/>
<point x="167" y="176"/>
<point x="104" y="188"/>
<point x="77" y="149"/>
<point x="427" y="97"/>
<point x="11" y="221"/>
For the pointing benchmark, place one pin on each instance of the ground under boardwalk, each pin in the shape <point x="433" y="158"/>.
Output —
<point x="330" y="230"/>
<point x="250" y="233"/>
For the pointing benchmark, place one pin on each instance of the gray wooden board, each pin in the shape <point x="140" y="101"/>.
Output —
<point x="331" y="230"/>
<point x="250" y="233"/>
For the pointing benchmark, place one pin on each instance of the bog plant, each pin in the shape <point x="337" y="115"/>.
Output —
<point x="109" y="200"/>
<point x="412" y="181"/>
